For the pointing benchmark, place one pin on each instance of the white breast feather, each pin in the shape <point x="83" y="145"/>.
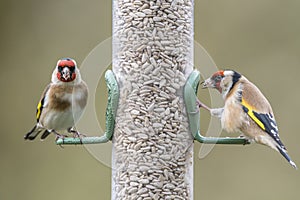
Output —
<point x="58" y="120"/>
<point x="233" y="117"/>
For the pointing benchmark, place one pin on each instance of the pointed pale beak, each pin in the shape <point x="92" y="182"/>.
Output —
<point x="208" y="83"/>
<point x="66" y="73"/>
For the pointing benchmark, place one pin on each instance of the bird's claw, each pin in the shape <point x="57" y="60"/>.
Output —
<point x="76" y="134"/>
<point x="59" y="136"/>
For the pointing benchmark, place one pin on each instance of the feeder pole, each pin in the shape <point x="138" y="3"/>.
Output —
<point x="152" y="154"/>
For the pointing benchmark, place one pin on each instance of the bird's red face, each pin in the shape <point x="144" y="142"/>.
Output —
<point x="66" y="70"/>
<point x="214" y="81"/>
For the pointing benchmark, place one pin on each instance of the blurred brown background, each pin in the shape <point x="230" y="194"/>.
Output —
<point x="260" y="39"/>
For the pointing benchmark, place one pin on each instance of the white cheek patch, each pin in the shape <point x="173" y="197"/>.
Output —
<point x="226" y="86"/>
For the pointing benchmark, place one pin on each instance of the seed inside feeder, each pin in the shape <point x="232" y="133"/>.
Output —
<point x="153" y="55"/>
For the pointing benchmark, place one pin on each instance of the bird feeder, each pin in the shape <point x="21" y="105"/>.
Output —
<point x="152" y="117"/>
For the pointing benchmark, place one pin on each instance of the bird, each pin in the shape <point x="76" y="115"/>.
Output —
<point x="62" y="102"/>
<point x="246" y="110"/>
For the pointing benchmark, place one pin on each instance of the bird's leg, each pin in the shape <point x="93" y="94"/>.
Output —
<point x="76" y="134"/>
<point x="200" y="104"/>
<point x="58" y="135"/>
<point x="216" y="112"/>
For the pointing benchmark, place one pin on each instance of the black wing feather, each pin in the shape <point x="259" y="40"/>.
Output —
<point x="270" y="126"/>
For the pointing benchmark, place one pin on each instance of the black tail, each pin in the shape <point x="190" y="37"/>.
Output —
<point x="287" y="157"/>
<point x="45" y="134"/>
<point x="31" y="135"/>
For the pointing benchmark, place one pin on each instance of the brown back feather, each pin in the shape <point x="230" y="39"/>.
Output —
<point x="254" y="97"/>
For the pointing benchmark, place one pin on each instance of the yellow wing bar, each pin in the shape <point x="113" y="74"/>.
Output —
<point x="249" y="110"/>
<point x="39" y="110"/>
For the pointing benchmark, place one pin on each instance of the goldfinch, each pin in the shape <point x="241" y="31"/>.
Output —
<point x="62" y="102"/>
<point x="246" y="110"/>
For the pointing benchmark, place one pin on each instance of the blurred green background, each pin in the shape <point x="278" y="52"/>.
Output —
<point x="260" y="39"/>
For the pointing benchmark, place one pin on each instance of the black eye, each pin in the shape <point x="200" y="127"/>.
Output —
<point x="72" y="69"/>
<point x="59" y="68"/>
<point x="218" y="78"/>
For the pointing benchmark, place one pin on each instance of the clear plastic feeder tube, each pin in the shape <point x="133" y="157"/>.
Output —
<point x="152" y="57"/>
